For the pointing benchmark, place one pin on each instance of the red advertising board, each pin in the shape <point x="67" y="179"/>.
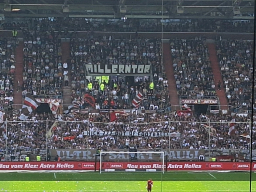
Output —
<point x="88" y="165"/>
<point x="46" y="166"/>
<point x="172" y="166"/>
<point x="179" y="166"/>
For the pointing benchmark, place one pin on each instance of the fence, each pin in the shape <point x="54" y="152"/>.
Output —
<point x="210" y="138"/>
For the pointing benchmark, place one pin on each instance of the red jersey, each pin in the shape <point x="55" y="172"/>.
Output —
<point x="150" y="183"/>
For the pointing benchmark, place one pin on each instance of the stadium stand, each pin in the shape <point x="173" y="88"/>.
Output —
<point x="193" y="74"/>
<point x="235" y="59"/>
<point x="7" y="59"/>
<point x="112" y="117"/>
<point x="143" y="25"/>
<point x="43" y="70"/>
<point x="105" y="50"/>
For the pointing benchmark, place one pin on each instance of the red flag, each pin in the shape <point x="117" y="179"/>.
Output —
<point x="183" y="113"/>
<point x="89" y="99"/>
<point x="112" y="116"/>
<point x="69" y="138"/>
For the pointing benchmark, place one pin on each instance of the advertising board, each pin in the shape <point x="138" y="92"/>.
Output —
<point x="128" y="166"/>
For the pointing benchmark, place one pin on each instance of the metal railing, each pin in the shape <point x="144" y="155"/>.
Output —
<point x="22" y="137"/>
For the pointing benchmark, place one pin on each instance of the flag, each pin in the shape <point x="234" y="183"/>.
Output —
<point x="76" y="104"/>
<point x="89" y="99"/>
<point x="69" y="138"/>
<point x="50" y="132"/>
<point x="26" y="110"/>
<point x="74" y="108"/>
<point x="70" y="108"/>
<point x="185" y="107"/>
<point x="181" y="113"/>
<point x="84" y="111"/>
<point x="209" y="128"/>
<point x="54" y="105"/>
<point x="112" y="116"/>
<point x="136" y="101"/>
<point x="1" y="117"/>
<point x="232" y="123"/>
<point x="246" y="135"/>
<point x="30" y="101"/>
<point x="29" y="105"/>
<point x="231" y="129"/>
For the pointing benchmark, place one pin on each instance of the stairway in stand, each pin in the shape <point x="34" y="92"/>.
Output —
<point x="18" y="76"/>
<point x="168" y="66"/>
<point x="217" y="76"/>
<point x="65" y="49"/>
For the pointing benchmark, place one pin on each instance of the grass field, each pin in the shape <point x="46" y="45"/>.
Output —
<point x="128" y="182"/>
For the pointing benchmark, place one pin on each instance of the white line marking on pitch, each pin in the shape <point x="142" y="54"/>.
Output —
<point x="212" y="175"/>
<point x="54" y="175"/>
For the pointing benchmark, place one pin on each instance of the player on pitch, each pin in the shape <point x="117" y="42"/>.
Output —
<point x="149" y="185"/>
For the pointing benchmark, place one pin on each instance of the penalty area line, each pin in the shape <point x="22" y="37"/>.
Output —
<point x="212" y="175"/>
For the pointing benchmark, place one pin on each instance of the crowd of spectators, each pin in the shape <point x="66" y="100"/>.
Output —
<point x="26" y="136"/>
<point x="43" y="70"/>
<point x="236" y="61"/>
<point x="117" y="92"/>
<point x="135" y="128"/>
<point x="133" y="25"/>
<point x="45" y="75"/>
<point x="197" y="25"/>
<point x="7" y="69"/>
<point x="192" y="70"/>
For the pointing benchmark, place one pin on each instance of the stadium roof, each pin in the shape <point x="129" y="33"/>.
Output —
<point x="167" y="9"/>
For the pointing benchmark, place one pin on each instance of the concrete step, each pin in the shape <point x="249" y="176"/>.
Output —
<point x="217" y="76"/>
<point x="168" y="66"/>
<point x="18" y="76"/>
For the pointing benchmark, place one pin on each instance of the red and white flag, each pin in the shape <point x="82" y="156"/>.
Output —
<point x="29" y="105"/>
<point x="246" y="135"/>
<point x="185" y="107"/>
<point x="184" y="113"/>
<point x="137" y="100"/>
<point x="54" y="105"/>
<point x="30" y="102"/>
<point x="231" y="129"/>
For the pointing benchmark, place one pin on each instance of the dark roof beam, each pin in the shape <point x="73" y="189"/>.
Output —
<point x="195" y="3"/>
<point x="249" y="4"/>
<point x="221" y="11"/>
<point x="215" y="8"/>
<point x="115" y="9"/>
<point x="236" y="2"/>
<point x="27" y="9"/>
<point x="121" y="2"/>
<point x="207" y="0"/>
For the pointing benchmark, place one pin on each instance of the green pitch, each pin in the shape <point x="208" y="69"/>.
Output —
<point x="127" y="182"/>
